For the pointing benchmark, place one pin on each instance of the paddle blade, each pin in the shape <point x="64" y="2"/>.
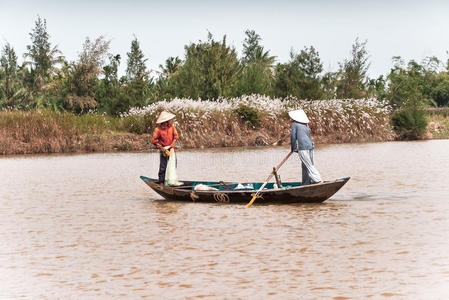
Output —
<point x="252" y="201"/>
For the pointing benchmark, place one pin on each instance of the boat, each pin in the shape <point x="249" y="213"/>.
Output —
<point x="234" y="192"/>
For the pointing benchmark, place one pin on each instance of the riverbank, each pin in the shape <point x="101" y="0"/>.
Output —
<point x="437" y="126"/>
<point x="245" y="121"/>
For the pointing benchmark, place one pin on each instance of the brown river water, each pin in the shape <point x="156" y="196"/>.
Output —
<point x="86" y="227"/>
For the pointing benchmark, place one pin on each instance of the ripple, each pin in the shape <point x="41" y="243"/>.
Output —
<point x="82" y="240"/>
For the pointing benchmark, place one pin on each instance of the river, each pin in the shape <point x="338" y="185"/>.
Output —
<point x="86" y="227"/>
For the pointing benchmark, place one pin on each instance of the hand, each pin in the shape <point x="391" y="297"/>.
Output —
<point x="166" y="152"/>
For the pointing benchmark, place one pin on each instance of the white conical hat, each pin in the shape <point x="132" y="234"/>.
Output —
<point x="299" y="116"/>
<point x="164" y="117"/>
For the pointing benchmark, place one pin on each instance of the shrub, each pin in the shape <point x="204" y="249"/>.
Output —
<point x="409" y="123"/>
<point x="93" y="123"/>
<point x="249" y="115"/>
<point x="133" y="124"/>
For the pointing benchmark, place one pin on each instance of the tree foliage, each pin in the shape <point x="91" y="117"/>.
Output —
<point x="136" y="69"/>
<point x="301" y="76"/>
<point x="257" y="73"/>
<point x="209" y="70"/>
<point x="422" y="80"/>
<point x="82" y="76"/>
<point x="42" y="56"/>
<point x="352" y="72"/>
<point x="12" y="91"/>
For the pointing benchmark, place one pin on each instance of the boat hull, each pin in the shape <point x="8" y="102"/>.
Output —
<point x="314" y="193"/>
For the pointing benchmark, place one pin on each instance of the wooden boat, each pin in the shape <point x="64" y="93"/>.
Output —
<point x="233" y="192"/>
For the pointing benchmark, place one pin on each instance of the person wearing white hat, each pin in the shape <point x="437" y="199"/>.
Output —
<point x="164" y="137"/>
<point x="303" y="145"/>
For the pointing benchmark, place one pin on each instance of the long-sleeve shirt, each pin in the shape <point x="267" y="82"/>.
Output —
<point x="164" y="137"/>
<point x="300" y="137"/>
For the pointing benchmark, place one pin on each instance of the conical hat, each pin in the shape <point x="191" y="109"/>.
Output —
<point x="299" y="116"/>
<point x="164" y="117"/>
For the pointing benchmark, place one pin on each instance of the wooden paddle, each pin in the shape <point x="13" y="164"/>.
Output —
<point x="268" y="179"/>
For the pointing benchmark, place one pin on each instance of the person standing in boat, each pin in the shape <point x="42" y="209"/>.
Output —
<point x="303" y="145"/>
<point x="164" y="137"/>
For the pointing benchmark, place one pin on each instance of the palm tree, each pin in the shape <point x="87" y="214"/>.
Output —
<point x="172" y="65"/>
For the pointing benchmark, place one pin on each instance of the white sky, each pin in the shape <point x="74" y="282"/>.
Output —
<point x="411" y="29"/>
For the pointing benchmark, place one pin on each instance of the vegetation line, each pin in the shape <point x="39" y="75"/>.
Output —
<point x="49" y="88"/>
<point x="245" y="121"/>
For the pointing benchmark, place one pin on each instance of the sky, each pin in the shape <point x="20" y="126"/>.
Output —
<point x="410" y="29"/>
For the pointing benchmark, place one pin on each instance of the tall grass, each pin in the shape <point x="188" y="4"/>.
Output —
<point x="245" y="121"/>
<point x="220" y="123"/>
<point x="44" y="131"/>
<point x="437" y="126"/>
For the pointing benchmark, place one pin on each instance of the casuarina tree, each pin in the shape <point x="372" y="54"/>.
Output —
<point x="12" y="92"/>
<point x="352" y="73"/>
<point x="257" y="73"/>
<point x="41" y="56"/>
<point x="209" y="71"/>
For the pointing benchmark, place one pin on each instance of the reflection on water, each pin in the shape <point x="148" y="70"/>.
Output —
<point x="85" y="226"/>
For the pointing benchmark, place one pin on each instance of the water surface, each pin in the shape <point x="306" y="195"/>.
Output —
<point x="85" y="226"/>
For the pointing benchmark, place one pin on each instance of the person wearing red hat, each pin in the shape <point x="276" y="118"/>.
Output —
<point x="164" y="137"/>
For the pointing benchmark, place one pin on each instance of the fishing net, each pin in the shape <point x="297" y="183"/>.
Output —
<point x="171" y="177"/>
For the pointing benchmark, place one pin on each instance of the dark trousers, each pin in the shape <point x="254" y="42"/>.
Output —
<point x="162" y="167"/>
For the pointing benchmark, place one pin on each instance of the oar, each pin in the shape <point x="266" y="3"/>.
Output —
<point x="268" y="179"/>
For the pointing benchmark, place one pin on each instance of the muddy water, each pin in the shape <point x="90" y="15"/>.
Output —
<point x="85" y="226"/>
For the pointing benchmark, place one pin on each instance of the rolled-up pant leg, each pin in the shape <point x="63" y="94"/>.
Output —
<point x="310" y="174"/>
<point x="162" y="167"/>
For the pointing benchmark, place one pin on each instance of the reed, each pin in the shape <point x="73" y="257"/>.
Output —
<point x="219" y="123"/>
<point x="42" y="131"/>
<point x="201" y="124"/>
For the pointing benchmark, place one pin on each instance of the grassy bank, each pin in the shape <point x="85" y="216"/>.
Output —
<point x="245" y="121"/>
<point x="437" y="126"/>
<point x="27" y="132"/>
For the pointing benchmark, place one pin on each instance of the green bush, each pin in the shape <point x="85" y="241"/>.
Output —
<point x="410" y="122"/>
<point x="249" y="115"/>
<point x="134" y="124"/>
<point x="90" y="123"/>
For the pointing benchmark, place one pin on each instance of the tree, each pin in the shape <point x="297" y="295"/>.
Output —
<point x="254" y="52"/>
<point x="165" y="88"/>
<point x="109" y="91"/>
<point x="407" y="89"/>
<point x="43" y="57"/>
<point x="172" y="65"/>
<point x="376" y="88"/>
<point x="83" y="75"/>
<point x="12" y="92"/>
<point x="257" y="73"/>
<point x="300" y="77"/>
<point x="329" y="85"/>
<point x="409" y="81"/>
<point x="352" y="72"/>
<point x="210" y="71"/>
<point x="440" y="90"/>
<point x="136" y="68"/>
<point x="137" y="88"/>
